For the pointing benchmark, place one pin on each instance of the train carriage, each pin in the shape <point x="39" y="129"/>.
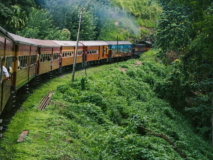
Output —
<point x="120" y="48"/>
<point x="25" y="52"/>
<point x="68" y="52"/>
<point x="49" y="56"/>
<point x="95" y="50"/>
<point x="138" y="49"/>
<point x="127" y="48"/>
<point x="6" y="50"/>
<point x="15" y="53"/>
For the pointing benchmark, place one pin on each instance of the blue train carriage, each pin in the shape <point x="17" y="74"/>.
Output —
<point x="127" y="48"/>
<point x="124" y="49"/>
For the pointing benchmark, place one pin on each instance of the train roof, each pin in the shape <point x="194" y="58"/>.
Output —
<point x="139" y="44"/>
<point x="68" y="43"/>
<point x="94" y="43"/>
<point x="45" y="43"/>
<point x="21" y="40"/>
<point x="148" y="42"/>
<point x="16" y="38"/>
<point x="119" y="42"/>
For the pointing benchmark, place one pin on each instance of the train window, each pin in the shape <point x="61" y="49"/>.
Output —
<point x="9" y="61"/>
<point x="23" y="61"/>
<point x="79" y="53"/>
<point x="56" y="56"/>
<point x="33" y="59"/>
<point x="49" y="57"/>
<point x="43" y="57"/>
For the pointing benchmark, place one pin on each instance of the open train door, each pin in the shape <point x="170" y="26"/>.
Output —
<point x="5" y="88"/>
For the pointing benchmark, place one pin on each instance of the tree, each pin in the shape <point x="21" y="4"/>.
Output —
<point x="40" y="25"/>
<point x="195" y="68"/>
<point x="17" y="19"/>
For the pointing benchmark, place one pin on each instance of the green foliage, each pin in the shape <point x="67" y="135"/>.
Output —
<point x="102" y="19"/>
<point x="172" y="28"/>
<point x="39" y="25"/>
<point x="189" y="87"/>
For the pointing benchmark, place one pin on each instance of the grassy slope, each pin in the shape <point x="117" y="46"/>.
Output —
<point x="103" y="121"/>
<point x="146" y="12"/>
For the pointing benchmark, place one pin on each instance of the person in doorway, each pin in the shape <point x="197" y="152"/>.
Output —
<point x="6" y="74"/>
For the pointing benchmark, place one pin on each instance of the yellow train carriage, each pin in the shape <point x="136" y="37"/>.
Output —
<point x="11" y="48"/>
<point x="24" y="51"/>
<point x="49" y="55"/>
<point x="95" y="50"/>
<point x="68" y="52"/>
<point x="6" y="50"/>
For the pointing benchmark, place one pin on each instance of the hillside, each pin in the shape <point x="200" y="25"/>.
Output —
<point x="103" y="19"/>
<point x="113" y="113"/>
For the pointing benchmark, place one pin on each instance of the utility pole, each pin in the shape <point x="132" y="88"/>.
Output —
<point x="117" y="49"/>
<point x="76" y="50"/>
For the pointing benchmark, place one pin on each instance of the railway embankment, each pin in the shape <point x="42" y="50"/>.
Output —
<point x="112" y="113"/>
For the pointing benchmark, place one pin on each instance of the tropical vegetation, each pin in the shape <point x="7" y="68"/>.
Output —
<point x="102" y="19"/>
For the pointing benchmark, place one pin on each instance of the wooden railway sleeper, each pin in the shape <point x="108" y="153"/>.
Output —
<point x="45" y="100"/>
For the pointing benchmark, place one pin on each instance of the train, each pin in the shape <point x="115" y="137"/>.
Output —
<point x="27" y="58"/>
